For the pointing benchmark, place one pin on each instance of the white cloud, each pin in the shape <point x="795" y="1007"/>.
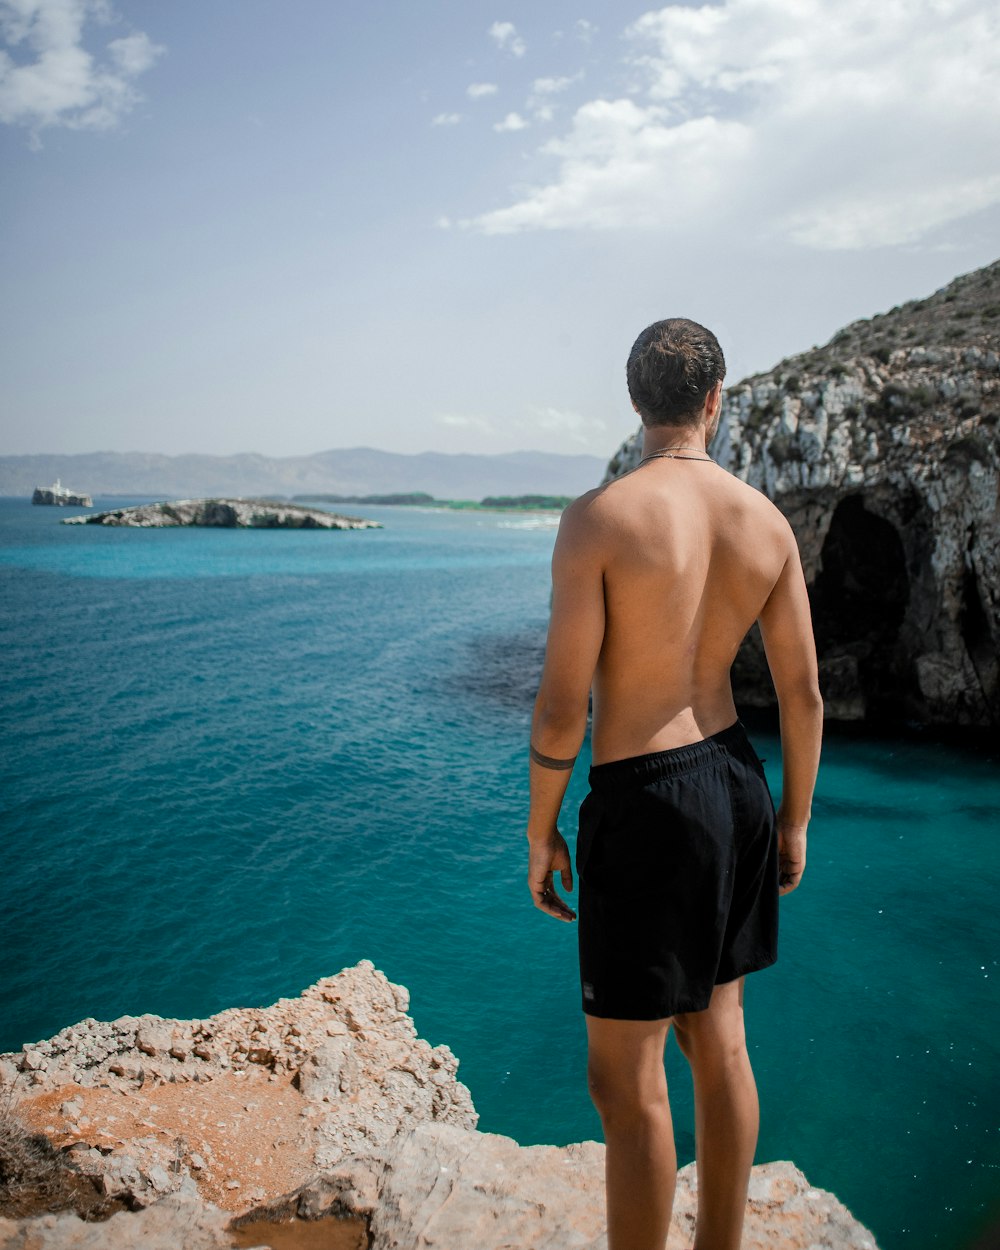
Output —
<point x="584" y="30"/>
<point x="477" y="90"/>
<point x="53" y="80"/>
<point x="464" y="421"/>
<point x="563" y="426"/>
<point x="624" y="165"/>
<point x="572" y="426"/>
<point x="134" y="54"/>
<point x="846" y="126"/>
<point x="879" y="216"/>
<point x="549" y="86"/>
<point x="505" y="36"/>
<point x="542" y="91"/>
<point x="513" y="121"/>
<point x="446" y="119"/>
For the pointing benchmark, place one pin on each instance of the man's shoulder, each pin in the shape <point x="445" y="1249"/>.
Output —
<point x="588" y="508"/>
<point x="752" y="496"/>
<point x="749" y="503"/>
<point x="585" y="522"/>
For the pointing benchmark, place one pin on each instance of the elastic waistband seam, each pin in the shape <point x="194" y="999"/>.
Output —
<point x="671" y="762"/>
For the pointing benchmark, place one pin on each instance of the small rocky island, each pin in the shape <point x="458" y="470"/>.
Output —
<point x="225" y="514"/>
<point x="60" y="496"/>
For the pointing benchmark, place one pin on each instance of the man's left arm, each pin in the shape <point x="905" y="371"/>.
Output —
<point x="575" y="637"/>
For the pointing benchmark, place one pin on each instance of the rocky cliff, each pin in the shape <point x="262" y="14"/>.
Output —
<point x="325" y="1105"/>
<point x="223" y="513"/>
<point x="881" y="449"/>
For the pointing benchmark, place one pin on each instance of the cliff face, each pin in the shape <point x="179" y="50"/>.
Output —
<point x="328" y="1104"/>
<point x="881" y="448"/>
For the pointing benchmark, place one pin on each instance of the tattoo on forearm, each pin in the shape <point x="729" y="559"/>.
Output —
<point x="546" y="761"/>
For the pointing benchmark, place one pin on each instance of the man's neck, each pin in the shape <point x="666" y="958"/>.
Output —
<point x="661" y="438"/>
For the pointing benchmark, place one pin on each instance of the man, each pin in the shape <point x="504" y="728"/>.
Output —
<point x="657" y="577"/>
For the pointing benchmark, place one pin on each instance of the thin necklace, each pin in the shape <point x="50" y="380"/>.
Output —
<point x="670" y="453"/>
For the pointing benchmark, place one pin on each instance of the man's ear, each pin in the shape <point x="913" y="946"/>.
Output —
<point x="714" y="405"/>
<point x="635" y="408"/>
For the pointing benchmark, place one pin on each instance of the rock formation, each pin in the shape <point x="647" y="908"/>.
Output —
<point x="225" y="513"/>
<point x="336" y="1072"/>
<point x="881" y="449"/>
<point x="327" y="1104"/>
<point x="60" y="496"/>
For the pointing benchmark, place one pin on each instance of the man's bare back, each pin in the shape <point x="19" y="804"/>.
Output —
<point x="690" y="556"/>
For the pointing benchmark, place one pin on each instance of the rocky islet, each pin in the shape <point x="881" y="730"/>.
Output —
<point x="223" y="514"/>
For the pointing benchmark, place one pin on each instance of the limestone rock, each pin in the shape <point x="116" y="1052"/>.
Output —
<point x="444" y="1186"/>
<point x="355" y="1071"/>
<point x="447" y="1187"/>
<point x="180" y="1220"/>
<point x="225" y="513"/>
<point x="154" y="1036"/>
<point x="881" y="448"/>
<point x="390" y="1135"/>
<point x="786" y="1213"/>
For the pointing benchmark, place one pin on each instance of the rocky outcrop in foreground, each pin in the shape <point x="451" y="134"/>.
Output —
<point x="225" y="513"/>
<point x="881" y="448"/>
<point x="328" y="1104"/>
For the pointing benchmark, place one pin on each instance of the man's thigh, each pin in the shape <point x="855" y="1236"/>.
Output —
<point x="626" y="1055"/>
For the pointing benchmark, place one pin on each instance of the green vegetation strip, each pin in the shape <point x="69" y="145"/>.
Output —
<point x="418" y="499"/>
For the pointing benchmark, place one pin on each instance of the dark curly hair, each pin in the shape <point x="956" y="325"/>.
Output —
<point x="671" y="368"/>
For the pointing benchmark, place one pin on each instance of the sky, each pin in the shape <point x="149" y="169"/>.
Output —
<point x="284" y="227"/>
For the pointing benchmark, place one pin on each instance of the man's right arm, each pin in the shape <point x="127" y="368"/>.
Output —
<point x="575" y="637"/>
<point x="786" y="629"/>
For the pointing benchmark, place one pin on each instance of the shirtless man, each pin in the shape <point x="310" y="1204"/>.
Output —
<point x="657" y="577"/>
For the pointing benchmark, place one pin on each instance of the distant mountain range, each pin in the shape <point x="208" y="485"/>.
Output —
<point x="348" y="471"/>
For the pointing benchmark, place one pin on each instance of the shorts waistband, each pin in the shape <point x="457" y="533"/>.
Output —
<point x="641" y="769"/>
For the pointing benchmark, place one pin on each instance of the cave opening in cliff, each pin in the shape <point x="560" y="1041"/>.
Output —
<point x="859" y="600"/>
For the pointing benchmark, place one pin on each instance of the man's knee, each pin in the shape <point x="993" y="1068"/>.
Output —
<point x="623" y="1096"/>
<point x="610" y="1090"/>
<point x="704" y="1048"/>
<point x="714" y="1037"/>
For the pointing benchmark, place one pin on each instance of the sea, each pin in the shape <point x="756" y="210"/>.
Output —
<point x="236" y="761"/>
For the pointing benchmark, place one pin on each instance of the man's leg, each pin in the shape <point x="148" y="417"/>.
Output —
<point x="726" y="1114"/>
<point x="629" y="1089"/>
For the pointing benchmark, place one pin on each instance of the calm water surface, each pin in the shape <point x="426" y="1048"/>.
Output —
<point x="237" y="761"/>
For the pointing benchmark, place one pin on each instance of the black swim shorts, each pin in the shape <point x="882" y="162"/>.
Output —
<point x="677" y="860"/>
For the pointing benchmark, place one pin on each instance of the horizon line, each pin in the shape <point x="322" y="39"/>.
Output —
<point x="222" y="455"/>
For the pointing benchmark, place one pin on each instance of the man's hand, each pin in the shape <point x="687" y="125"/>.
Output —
<point x="791" y="855"/>
<point x="545" y="858"/>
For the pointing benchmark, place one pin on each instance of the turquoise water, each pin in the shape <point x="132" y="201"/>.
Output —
<point x="236" y="761"/>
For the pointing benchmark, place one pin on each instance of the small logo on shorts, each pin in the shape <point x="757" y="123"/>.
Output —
<point x="588" y="991"/>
